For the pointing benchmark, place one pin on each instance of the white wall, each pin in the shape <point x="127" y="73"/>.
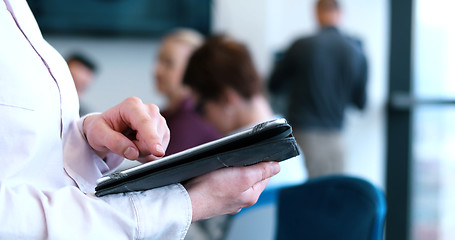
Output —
<point x="125" y="68"/>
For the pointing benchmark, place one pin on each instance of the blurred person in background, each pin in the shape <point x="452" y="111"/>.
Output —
<point x="322" y="74"/>
<point x="83" y="71"/>
<point x="231" y="95"/>
<point x="187" y="127"/>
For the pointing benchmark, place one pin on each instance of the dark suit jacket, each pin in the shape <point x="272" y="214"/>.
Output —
<point x="322" y="75"/>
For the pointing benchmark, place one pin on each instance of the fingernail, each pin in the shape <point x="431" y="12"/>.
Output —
<point x="159" y="149"/>
<point x="275" y="167"/>
<point x="131" y="153"/>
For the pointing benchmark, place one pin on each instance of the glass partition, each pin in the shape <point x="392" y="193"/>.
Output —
<point x="433" y="156"/>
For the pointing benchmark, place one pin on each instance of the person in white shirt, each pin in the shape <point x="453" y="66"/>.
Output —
<point x="50" y="158"/>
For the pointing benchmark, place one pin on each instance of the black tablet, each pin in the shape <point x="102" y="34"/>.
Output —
<point x="267" y="141"/>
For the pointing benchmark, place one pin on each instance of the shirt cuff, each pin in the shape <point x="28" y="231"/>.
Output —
<point x="80" y="161"/>
<point x="160" y="213"/>
<point x="112" y="160"/>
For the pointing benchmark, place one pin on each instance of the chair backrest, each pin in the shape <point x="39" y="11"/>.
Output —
<point x="334" y="207"/>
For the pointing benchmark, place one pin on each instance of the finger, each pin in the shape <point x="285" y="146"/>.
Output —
<point x="262" y="171"/>
<point x="118" y="143"/>
<point x="150" y="126"/>
<point x="260" y="186"/>
<point x="260" y="177"/>
<point x="153" y="140"/>
<point x="161" y="125"/>
<point x="148" y="158"/>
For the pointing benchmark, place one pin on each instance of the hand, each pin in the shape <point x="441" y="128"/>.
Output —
<point x="228" y="190"/>
<point x="131" y="129"/>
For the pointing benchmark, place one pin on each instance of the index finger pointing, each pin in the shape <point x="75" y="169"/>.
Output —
<point x="152" y="134"/>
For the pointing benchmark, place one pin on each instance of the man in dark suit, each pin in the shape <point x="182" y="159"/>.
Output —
<point x="322" y="74"/>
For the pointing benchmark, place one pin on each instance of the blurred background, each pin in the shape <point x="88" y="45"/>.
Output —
<point x="403" y="142"/>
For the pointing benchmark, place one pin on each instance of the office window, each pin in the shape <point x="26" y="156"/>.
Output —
<point x="433" y="194"/>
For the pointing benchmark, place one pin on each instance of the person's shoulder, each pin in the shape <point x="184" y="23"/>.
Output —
<point x="354" y="40"/>
<point x="187" y="114"/>
<point x="307" y="38"/>
<point x="351" y="39"/>
<point x="303" y="42"/>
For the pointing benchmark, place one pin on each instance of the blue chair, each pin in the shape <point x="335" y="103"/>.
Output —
<point x="333" y="207"/>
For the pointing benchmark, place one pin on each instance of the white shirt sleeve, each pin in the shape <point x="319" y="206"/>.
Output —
<point x="67" y="213"/>
<point x="81" y="163"/>
<point x="48" y="170"/>
<point x="163" y="213"/>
